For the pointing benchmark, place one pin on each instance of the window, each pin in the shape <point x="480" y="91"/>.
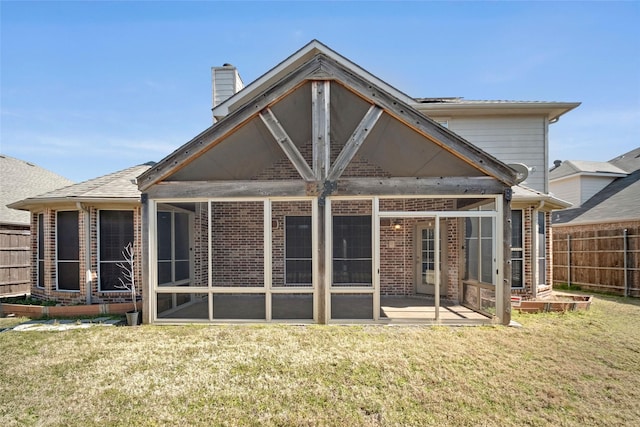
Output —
<point x="352" y="260"/>
<point x="542" y="250"/>
<point x="298" y="265"/>
<point x="40" y="254"/>
<point x="67" y="251"/>
<point x="116" y="231"/>
<point x="479" y="249"/>
<point x="517" y="250"/>
<point x="173" y="248"/>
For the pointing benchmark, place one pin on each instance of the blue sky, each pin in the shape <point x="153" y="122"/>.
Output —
<point x="88" y="88"/>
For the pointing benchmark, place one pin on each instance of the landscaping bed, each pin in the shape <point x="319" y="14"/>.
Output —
<point x="558" y="303"/>
<point x="38" y="311"/>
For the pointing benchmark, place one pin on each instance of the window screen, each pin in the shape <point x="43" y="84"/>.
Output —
<point x="116" y="231"/>
<point x="298" y="255"/>
<point x="68" y="250"/>
<point x="352" y="250"/>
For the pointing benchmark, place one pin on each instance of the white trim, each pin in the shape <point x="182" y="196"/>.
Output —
<point x="375" y="264"/>
<point x="436" y="248"/>
<point x="267" y="258"/>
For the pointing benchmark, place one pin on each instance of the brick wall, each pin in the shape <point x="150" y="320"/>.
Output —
<point x="50" y="291"/>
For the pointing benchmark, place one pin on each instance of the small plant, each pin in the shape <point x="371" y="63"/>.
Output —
<point x="128" y="283"/>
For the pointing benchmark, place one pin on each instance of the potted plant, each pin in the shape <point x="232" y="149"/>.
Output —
<point x="128" y="283"/>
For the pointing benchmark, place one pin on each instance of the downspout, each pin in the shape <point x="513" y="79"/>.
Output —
<point x="534" y="249"/>
<point x="87" y="250"/>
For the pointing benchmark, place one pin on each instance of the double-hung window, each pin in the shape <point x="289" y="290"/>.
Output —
<point x="542" y="250"/>
<point x="116" y="232"/>
<point x="67" y="251"/>
<point x="40" y="253"/>
<point x="517" y="250"/>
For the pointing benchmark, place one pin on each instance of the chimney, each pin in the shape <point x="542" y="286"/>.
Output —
<point x="226" y="82"/>
<point x="556" y="164"/>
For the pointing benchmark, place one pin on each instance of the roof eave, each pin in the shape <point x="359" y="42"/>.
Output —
<point x="27" y="204"/>
<point x="550" y="202"/>
<point x="552" y="110"/>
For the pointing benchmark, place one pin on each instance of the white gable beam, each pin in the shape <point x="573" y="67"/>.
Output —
<point x="287" y="145"/>
<point x="355" y="141"/>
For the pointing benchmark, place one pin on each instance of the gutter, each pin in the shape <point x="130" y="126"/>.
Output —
<point x="87" y="250"/>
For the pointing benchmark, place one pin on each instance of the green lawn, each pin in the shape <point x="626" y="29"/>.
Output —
<point x="579" y="368"/>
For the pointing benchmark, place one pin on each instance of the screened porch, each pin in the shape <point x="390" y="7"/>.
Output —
<point x="353" y="260"/>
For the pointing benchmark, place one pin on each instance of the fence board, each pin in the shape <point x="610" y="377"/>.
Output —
<point x="594" y="258"/>
<point x="15" y="262"/>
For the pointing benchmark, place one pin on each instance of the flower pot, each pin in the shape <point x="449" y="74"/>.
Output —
<point x="133" y="318"/>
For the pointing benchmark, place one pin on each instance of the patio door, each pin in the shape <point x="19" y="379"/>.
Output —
<point x="426" y="258"/>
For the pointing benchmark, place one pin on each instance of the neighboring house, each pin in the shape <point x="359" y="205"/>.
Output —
<point x="597" y="243"/>
<point x="323" y="194"/>
<point x="19" y="179"/>
<point x="78" y="236"/>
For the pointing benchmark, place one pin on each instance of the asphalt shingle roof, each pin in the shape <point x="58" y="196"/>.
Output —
<point x="20" y="180"/>
<point x="619" y="200"/>
<point x="117" y="185"/>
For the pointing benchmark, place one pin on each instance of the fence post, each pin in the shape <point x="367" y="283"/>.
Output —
<point x="568" y="260"/>
<point x="626" y="249"/>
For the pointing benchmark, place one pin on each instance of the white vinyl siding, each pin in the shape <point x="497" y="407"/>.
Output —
<point x="567" y="189"/>
<point x="511" y="140"/>
<point x="591" y="185"/>
<point x="578" y="188"/>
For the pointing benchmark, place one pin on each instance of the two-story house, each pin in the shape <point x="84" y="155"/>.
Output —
<point x="323" y="194"/>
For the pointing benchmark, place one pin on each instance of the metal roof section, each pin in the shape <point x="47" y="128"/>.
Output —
<point x="460" y="106"/>
<point x="120" y="186"/>
<point x="304" y="54"/>
<point x="20" y="179"/>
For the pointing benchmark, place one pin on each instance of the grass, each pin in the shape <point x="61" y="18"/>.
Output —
<point x="579" y="368"/>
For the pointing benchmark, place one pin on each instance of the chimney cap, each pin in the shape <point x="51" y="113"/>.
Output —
<point x="226" y="64"/>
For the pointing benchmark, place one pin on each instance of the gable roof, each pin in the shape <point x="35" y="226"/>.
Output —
<point x="287" y="76"/>
<point x="576" y="167"/>
<point x="120" y="186"/>
<point x="20" y="179"/>
<point x="303" y="55"/>
<point x="620" y="200"/>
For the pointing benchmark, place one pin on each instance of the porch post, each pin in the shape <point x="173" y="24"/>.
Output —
<point x="320" y="129"/>
<point x="320" y="255"/>
<point x="504" y="279"/>
<point x="145" y="216"/>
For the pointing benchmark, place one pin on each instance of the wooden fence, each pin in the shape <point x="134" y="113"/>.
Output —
<point x="605" y="260"/>
<point x="15" y="262"/>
